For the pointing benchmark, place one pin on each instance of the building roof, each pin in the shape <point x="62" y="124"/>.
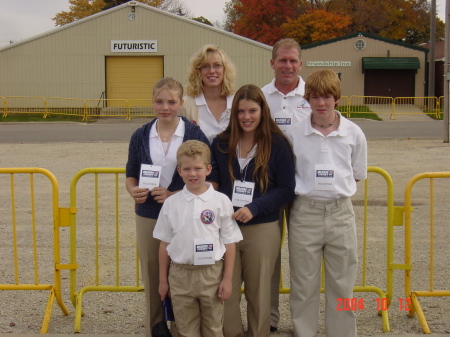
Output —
<point x="367" y="35"/>
<point x="134" y="3"/>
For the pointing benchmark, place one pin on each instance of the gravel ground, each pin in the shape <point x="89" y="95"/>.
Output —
<point x="121" y="313"/>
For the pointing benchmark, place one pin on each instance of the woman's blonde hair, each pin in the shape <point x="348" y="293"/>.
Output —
<point x="265" y="131"/>
<point x="198" y="60"/>
<point x="168" y="83"/>
<point x="322" y="83"/>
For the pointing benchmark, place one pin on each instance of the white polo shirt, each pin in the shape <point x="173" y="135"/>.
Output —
<point x="157" y="152"/>
<point x="207" y="122"/>
<point x="344" y="149"/>
<point x="289" y="109"/>
<point x="186" y="216"/>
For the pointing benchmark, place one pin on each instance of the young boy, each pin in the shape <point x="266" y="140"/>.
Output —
<point x="198" y="235"/>
<point x="331" y="157"/>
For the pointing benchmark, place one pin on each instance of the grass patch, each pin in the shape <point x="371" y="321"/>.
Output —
<point x="358" y="111"/>
<point x="39" y="117"/>
<point x="432" y="114"/>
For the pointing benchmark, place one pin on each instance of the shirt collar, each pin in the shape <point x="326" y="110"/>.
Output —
<point x="299" y="90"/>
<point x="205" y="196"/>
<point x="200" y="100"/>
<point x="179" y="132"/>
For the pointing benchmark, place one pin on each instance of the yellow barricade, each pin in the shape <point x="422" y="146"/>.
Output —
<point x="367" y="104"/>
<point x="416" y="106"/>
<point x="24" y="104"/>
<point x="343" y="106"/>
<point x="141" y="108"/>
<point x="364" y="286"/>
<point x="65" y="106"/>
<point x="103" y="224"/>
<point x="413" y="295"/>
<point x="31" y="232"/>
<point x="3" y="109"/>
<point x="107" y="108"/>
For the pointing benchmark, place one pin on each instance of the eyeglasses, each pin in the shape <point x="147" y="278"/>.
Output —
<point x="207" y="67"/>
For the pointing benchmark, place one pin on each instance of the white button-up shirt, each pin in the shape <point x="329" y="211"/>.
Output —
<point x="186" y="216"/>
<point x="168" y="163"/>
<point x="206" y="120"/>
<point x="345" y="149"/>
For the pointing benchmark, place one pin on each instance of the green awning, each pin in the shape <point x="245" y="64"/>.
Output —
<point x="391" y="63"/>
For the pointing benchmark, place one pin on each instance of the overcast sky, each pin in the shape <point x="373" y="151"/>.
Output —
<point x="21" y="19"/>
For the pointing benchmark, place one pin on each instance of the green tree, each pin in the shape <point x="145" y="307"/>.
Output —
<point x="203" y="20"/>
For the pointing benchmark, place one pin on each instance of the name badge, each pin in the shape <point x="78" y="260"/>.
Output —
<point x="149" y="176"/>
<point x="283" y="120"/>
<point x="242" y="193"/>
<point x="204" y="251"/>
<point x="324" y="177"/>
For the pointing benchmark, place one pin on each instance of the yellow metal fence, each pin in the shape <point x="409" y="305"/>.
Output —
<point x="131" y="108"/>
<point x="105" y="223"/>
<point x="90" y="186"/>
<point x="414" y="295"/>
<point x="84" y="108"/>
<point x="24" y="276"/>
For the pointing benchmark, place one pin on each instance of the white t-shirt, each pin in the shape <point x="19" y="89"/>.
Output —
<point x="289" y="109"/>
<point x="345" y="150"/>
<point x="186" y="216"/>
<point x="207" y="122"/>
<point x="158" y="149"/>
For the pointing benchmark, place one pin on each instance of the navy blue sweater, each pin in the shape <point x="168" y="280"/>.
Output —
<point x="139" y="153"/>
<point x="264" y="207"/>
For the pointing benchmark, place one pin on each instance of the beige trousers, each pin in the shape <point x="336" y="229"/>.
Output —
<point x="255" y="261"/>
<point x="196" y="305"/>
<point x="148" y="249"/>
<point x="322" y="229"/>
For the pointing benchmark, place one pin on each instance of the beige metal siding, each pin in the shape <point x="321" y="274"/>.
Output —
<point x="352" y="77"/>
<point x="132" y="77"/>
<point x="70" y="61"/>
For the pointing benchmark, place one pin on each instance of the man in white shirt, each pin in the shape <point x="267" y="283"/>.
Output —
<point x="287" y="107"/>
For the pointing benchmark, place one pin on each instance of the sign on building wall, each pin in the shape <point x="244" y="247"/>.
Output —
<point x="328" y="63"/>
<point x="134" y="46"/>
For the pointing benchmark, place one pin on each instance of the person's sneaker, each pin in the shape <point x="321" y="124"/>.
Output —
<point x="273" y="328"/>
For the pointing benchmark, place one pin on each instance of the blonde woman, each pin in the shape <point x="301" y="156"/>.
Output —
<point x="210" y="89"/>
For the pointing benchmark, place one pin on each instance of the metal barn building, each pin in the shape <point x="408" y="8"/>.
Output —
<point x="369" y="65"/>
<point x="121" y="52"/>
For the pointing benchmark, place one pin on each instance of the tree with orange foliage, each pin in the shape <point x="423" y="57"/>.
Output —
<point x="261" y="20"/>
<point x="316" y="25"/>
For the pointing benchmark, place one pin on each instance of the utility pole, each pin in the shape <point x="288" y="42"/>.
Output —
<point x="431" y="57"/>
<point x="447" y="72"/>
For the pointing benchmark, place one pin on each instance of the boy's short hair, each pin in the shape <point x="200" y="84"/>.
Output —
<point x="322" y="83"/>
<point x="192" y="149"/>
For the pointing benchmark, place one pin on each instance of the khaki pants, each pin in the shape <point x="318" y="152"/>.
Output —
<point x="196" y="305"/>
<point x="255" y="261"/>
<point x="148" y="249"/>
<point x="322" y="229"/>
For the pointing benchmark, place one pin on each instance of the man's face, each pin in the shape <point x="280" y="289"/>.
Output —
<point x="286" y="66"/>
